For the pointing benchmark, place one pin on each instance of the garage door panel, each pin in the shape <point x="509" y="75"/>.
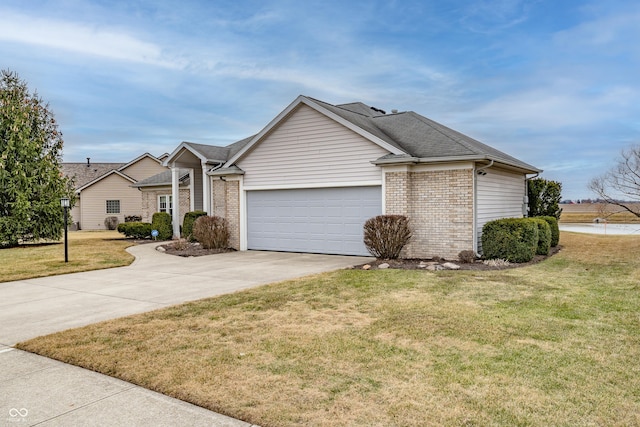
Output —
<point x="324" y="220"/>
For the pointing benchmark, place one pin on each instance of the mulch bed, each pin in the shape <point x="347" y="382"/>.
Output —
<point x="188" y="249"/>
<point x="479" y="265"/>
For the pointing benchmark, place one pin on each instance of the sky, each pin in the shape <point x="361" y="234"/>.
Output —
<point x="553" y="83"/>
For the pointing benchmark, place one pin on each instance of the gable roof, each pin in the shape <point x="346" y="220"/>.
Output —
<point x="84" y="173"/>
<point x="408" y="137"/>
<point x="87" y="174"/>
<point x="100" y="178"/>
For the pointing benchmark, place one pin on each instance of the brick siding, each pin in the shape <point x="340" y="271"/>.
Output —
<point x="439" y="205"/>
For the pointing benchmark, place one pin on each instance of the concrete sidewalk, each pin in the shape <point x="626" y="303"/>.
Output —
<point x="37" y="390"/>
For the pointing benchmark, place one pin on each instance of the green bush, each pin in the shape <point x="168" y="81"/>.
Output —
<point x="212" y="232"/>
<point x="555" y="229"/>
<point x="386" y="235"/>
<point x="187" y="223"/>
<point x="136" y="230"/>
<point x="161" y="221"/>
<point x="544" y="236"/>
<point x="511" y="239"/>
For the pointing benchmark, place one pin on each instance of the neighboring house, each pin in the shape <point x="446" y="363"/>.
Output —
<point x="309" y="180"/>
<point x="105" y="189"/>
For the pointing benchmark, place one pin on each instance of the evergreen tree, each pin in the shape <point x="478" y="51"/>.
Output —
<point x="544" y="197"/>
<point x="31" y="182"/>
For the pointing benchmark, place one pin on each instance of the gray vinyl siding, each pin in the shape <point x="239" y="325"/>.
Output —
<point x="500" y="194"/>
<point x="94" y="201"/>
<point x="309" y="148"/>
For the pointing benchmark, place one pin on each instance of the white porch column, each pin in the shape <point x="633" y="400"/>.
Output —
<point x="206" y="191"/>
<point x="175" y="200"/>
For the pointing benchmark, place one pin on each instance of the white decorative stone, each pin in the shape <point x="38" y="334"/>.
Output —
<point x="451" y="266"/>
<point x="161" y="249"/>
<point x="383" y="266"/>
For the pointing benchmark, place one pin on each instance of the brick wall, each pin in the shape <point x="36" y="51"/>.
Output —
<point x="150" y="202"/>
<point x="439" y="205"/>
<point x="232" y="212"/>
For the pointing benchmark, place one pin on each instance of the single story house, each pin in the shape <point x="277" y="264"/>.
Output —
<point x="105" y="189"/>
<point x="309" y="180"/>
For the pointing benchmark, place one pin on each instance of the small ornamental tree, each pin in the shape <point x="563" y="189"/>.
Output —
<point x="544" y="197"/>
<point x="31" y="181"/>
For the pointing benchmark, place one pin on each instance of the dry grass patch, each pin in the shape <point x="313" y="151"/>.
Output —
<point x="552" y="344"/>
<point x="88" y="250"/>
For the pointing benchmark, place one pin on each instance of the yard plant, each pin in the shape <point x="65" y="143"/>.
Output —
<point x="555" y="343"/>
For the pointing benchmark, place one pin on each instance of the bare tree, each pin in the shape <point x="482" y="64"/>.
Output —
<point x="620" y="186"/>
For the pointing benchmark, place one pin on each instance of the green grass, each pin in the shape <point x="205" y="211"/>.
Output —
<point x="87" y="250"/>
<point x="556" y="343"/>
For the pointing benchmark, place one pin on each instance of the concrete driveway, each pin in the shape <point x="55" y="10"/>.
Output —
<point x="37" y="390"/>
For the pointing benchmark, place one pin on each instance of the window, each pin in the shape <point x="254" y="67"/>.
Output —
<point x="165" y="204"/>
<point x="113" y="206"/>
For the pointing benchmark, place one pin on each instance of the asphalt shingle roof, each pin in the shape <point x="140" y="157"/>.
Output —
<point x="83" y="174"/>
<point x="163" y="178"/>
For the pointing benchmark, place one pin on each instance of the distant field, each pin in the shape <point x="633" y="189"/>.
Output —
<point x="588" y="212"/>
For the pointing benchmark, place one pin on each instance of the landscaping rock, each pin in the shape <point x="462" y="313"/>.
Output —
<point x="366" y="267"/>
<point x="451" y="266"/>
<point x="161" y="249"/>
<point x="435" y="267"/>
<point x="383" y="266"/>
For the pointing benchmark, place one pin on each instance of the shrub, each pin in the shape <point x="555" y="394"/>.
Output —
<point x="161" y="221"/>
<point x="187" y="223"/>
<point x="212" y="232"/>
<point x="555" y="229"/>
<point x="180" y="244"/>
<point x="386" y="235"/>
<point x="132" y="218"/>
<point x="467" y="256"/>
<point x="136" y="230"/>
<point x="511" y="239"/>
<point x="544" y="236"/>
<point x="111" y="222"/>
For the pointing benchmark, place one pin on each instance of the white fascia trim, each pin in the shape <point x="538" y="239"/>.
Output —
<point x="175" y="152"/>
<point x="317" y="185"/>
<point x="383" y="144"/>
<point x="101" y="177"/>
<point x="137" y="159"/>
<point x="304" y="100"/>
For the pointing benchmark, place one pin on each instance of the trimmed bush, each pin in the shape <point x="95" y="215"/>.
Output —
<point x="544" y="236"/>
<point x="187" y="223"/>
<point x="111" y="222"/>
<point x="511" y="239"/>
<point x="555" y="229"/>
<point x="132" y="218"/>
<point x="161" y="221"/>
<point x="136" y="230"/>
<point x="212" y="232"/>
<point x="386" y="235"/>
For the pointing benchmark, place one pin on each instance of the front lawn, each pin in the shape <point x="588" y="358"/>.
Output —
<point x="556" y="343"/>
<point x="88" y="250"/>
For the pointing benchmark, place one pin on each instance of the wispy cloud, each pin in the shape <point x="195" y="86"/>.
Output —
<point x="87" y="39"/>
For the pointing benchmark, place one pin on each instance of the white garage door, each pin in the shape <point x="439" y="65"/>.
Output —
<point x="319" y="220"/>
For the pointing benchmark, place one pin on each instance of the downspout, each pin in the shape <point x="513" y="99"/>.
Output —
<point x="210" y="186"/>
<point x="478" y="171"/>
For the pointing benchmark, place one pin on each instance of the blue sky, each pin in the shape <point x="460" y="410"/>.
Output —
<point x="554" y="83"/>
